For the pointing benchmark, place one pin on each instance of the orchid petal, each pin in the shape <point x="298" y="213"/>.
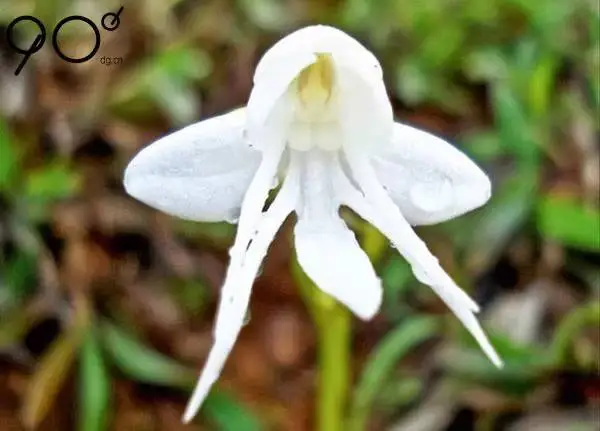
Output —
<point x="366" y="114"/>
<point x="198" y="173"/>
<point x="318" y="39"/>
<point x="327" y="250"/>
<point x="267" y="92"/>
<point x="284" y="61"/>
<point x="254" y="235"/>
<point x="377" y="208"/>
<point x="264" y="180"/>
<point x="235" y="294"/>
<point x="430" y="180"/>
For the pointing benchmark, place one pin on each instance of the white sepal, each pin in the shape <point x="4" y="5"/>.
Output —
<point x="430" y="180"/>
<point x="198" y="173"/>
<point x="318" y="39"/>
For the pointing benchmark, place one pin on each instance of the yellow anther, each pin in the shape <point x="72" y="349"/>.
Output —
<point x="315" y="83"/>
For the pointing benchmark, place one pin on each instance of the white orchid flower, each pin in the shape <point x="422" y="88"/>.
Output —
<point x="319" y="120"/>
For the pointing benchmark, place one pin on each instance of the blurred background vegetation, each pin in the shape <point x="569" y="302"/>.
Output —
<point x="106" y="306"/>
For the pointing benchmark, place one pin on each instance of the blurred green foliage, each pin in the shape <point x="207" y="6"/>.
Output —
<point x="165" y="81"/>
<point x="390" y="350"/>
<point x="94" y="385"/>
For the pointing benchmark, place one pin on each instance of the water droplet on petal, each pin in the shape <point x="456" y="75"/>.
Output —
<point x="431" y="196"/>
<point x="233" y="219"/>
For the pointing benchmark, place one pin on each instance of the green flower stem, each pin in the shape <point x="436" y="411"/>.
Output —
<point x="373" y="243"/>
<point x="334" y="331"/>
<point x="334" y="364"/>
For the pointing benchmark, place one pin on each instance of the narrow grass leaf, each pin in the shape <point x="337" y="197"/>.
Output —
<point x="49" y="378"/>
<point x="142" y="363"/>
<point x="94" y="385"/>
<point x="569" y="328"/>
<point x="145" y="365"/>
<point x="396" y="344"/>
<point x="524" y="365"/>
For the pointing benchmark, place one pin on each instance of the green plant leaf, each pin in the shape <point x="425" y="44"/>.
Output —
<point x="396" y="274"/>
<point x="9" y="159"/>
<point x="192" y="295"/>
<point x="164" y="81"/>
<point x="400" y="390"/>
<point x="267" y="14"/>
<point x="483" y="146"/>
<point x="140" y="362"/>
<point x="568" y="222"/>
<point x="183" y="63"/>
<point x="54" y="181"/>
<point x="440" y="55"/>
<point x="541" y="85"/>
<point x="20" y="275"/>
<point x="487" y="64"/>
<point x="397" y="278"/>
<point x="390" y="350"/>
<point x="513" y="125"/>
<point x="569" y="327"/>
<point x="228" y="414"/>
<point x="524" y="365"/>
<point x="412" y="82"/>
<point x="175" y="99"/>
<point x="94" y="385"/>
<point x="51" y="12"/>
<point x="145" y="365"/>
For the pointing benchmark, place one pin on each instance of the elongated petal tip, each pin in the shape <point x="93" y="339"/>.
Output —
<point x="193" y="406"/>
<point x="470" y="321"/>
<point x="190" y="413"/>
<point x="499" y="363"/>
<point x="210" y="374"/>
<point x="491" y="353"/>
<point x="188" y="416"/>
